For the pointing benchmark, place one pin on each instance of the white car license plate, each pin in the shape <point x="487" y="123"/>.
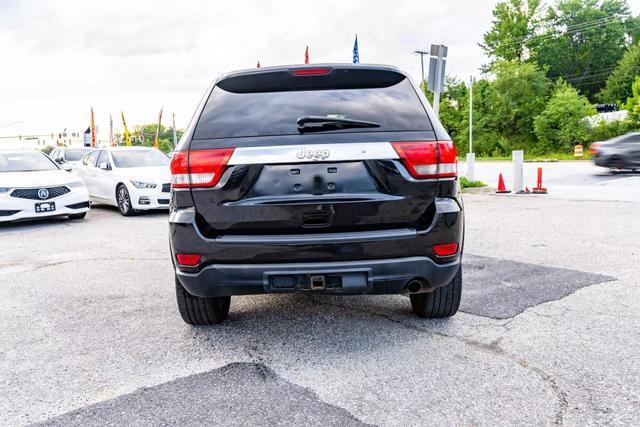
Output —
<point x="45" y="207"/>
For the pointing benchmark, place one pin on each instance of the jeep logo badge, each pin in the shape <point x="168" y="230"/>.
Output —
<point x="313" y="154"/>
<point x="43" y="193"/>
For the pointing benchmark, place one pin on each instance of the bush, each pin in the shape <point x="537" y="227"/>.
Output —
<point x="561" y="125"/>
<point x="604" y="130"/>
<point x="519" y="93"/>
<point x="633" y="102"/>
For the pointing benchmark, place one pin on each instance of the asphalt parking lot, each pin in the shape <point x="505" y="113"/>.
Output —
<point x="549" y="331"/>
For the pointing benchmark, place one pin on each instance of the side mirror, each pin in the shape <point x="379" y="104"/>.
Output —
<point x="104" y="166"/>
<point x="66" y="166"/>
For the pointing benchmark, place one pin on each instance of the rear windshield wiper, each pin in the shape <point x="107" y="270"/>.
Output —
<point x="322" y="123"/>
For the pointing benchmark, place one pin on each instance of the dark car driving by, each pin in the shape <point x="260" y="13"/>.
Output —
<point x="335" y="179"/>
<point x="619" y="153"/>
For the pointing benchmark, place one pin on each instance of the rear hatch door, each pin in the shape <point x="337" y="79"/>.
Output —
<point x="312" y="150"/>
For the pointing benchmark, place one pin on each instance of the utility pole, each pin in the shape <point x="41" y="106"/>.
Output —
<point x="422" y="53"/>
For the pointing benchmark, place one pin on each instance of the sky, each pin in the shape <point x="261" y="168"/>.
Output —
<point x="59" y="58"/>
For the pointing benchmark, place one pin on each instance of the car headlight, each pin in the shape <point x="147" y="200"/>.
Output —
<point x="75" y="184"/>
<point x="4" y="189"/>
<point x="140" y="184"/>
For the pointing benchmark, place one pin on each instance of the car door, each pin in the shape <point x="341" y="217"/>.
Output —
<point x="88" y="171"/>
<point x="105" y="188"/>
<point x="632" y="149"/>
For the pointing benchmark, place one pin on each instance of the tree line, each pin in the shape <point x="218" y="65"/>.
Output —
<point x="548" y="66"/>
<point x="145" y="135"/>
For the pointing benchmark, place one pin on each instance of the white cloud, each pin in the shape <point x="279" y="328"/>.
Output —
<point x="60" y="57"/>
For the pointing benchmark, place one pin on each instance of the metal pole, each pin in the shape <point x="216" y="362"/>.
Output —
<point x="438" y="89"/>
<point x="471" y="158"/>
<point x="175" y="138"/>
<point x="471" y="114"/>
<point x="110" y="130"/>
<point x="422" y="53"/>
<point x="155" y="140"/>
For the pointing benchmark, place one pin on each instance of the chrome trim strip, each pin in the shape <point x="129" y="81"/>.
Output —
<point x="319" y="238"/>
<point x="306" y="153"/>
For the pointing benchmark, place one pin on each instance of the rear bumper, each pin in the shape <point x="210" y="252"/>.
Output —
<point x="388" y="276"/>
<point x="380" y="261"/>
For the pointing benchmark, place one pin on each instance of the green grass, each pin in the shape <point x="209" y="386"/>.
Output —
<point x="465" y="183"/>
<point x="537" y="157"/>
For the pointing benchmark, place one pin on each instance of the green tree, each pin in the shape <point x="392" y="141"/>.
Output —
<point x="454" y="108"/>
<point x="583" y="41"/>
<point x="633" y="102"/>
<point x="519" y="93"/>
<point x="618" y="86"/>
<point x="514" y="23"/>
<point x="145" y="134"/>
<point x="633" y="29"/>
<point x="487" y="138"/>
<point x="562" y="123"/>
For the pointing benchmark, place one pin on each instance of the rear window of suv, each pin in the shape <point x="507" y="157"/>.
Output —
<point x="268" y="104"/>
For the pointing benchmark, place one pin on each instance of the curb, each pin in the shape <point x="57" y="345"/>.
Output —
<point x="479" y="190"/>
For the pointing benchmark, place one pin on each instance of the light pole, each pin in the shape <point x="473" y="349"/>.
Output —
<point x="471" y="114"/>
<point x="471" y="157"/>
<point x="422" y="53"/>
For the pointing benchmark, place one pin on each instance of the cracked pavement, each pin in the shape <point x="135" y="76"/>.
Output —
<point x="91" y="334"/>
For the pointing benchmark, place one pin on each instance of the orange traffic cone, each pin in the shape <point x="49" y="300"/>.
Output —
<point x="501" y="187"/>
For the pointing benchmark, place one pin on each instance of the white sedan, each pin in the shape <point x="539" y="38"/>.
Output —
<point x="33" y="186"/>
<point x="131" y="178"/>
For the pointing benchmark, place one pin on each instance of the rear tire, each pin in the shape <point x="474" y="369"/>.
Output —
<point x="78" y="216"/>
<point x="443" y="302"/>
<point x="201" y="311"/>
<point x="616" y="165"/>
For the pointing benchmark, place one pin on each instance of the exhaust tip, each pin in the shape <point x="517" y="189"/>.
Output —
<point x="414" y="286"/>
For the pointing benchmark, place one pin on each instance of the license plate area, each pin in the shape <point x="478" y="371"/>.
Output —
<point x="325" y="282"/>
<point x="45" y="207"/>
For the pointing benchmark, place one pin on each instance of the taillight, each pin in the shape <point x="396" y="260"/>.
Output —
<point x="446" y="250"/>
<point x="593" y="148"/>
<point x="188" y="260"/>
<point x="428" y="159"/>
<point x="310" y="71"/>
<point x="198" y="168"/>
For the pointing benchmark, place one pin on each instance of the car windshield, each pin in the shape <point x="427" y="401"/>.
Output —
<point x="139" y="158"/>
<point x="25" y="162"/>
<point x="75" y="154"/>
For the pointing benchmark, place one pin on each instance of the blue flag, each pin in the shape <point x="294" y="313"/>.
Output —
<point x="356" y="55"/>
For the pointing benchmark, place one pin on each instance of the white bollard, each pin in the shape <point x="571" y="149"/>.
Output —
<point x="471" y="167"/>
<point x="518" y="172"/>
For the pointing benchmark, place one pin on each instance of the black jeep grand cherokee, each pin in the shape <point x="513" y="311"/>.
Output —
<point x="332" y="178"/>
